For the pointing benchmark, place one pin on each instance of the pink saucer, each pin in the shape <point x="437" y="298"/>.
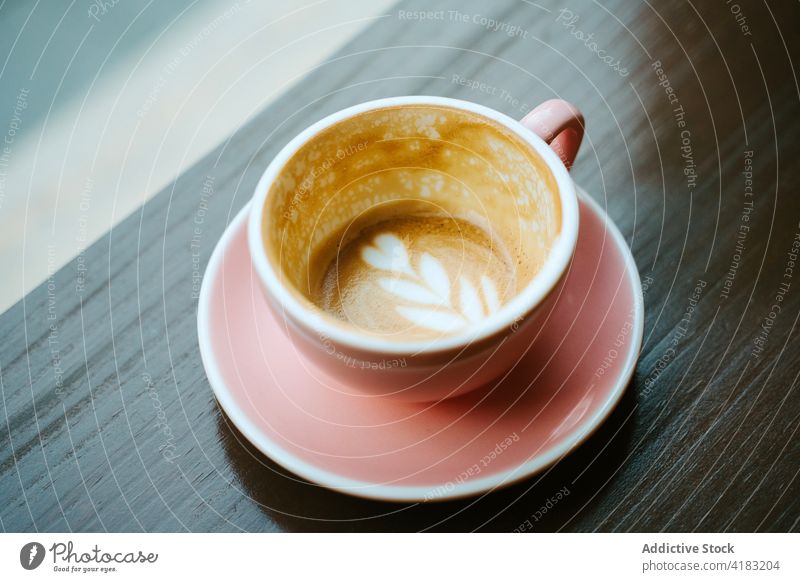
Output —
<point x="574" y="375"/>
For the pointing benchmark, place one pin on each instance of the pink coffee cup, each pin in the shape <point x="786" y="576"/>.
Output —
<point x="525" y="184"/>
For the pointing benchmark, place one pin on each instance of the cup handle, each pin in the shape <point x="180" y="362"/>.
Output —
<point x="560" y="124"/>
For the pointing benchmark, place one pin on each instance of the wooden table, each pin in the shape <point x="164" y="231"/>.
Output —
<point x="693" y="112"/>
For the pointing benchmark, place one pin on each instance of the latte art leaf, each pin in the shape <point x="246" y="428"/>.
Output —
<point x="435" y="319"/>
<point x="388" y="254"/>
<point x="410" y="291"/>
<point x="490" y="294"/>
<point x="471" y="305"/>
<point x="435" y="276"/>
<point x="427" y="294"/>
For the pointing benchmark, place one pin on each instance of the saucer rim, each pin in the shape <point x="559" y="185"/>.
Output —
<point x="410" y="493"/>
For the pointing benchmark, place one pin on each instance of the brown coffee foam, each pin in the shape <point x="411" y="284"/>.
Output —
<point x="466" y="165"/>
<point x="349" y="288"/>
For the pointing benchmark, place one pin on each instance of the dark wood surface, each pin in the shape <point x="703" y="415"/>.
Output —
<point x="706" y="437"/>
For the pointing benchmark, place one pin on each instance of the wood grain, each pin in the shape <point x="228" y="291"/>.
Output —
<point x="109" y="422"/>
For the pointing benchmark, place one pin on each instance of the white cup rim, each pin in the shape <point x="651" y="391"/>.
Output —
<point x="523" y="303"/>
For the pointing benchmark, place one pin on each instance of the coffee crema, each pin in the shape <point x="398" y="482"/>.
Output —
<point x="412" y="274"/>
<point x="412" y="222"/>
